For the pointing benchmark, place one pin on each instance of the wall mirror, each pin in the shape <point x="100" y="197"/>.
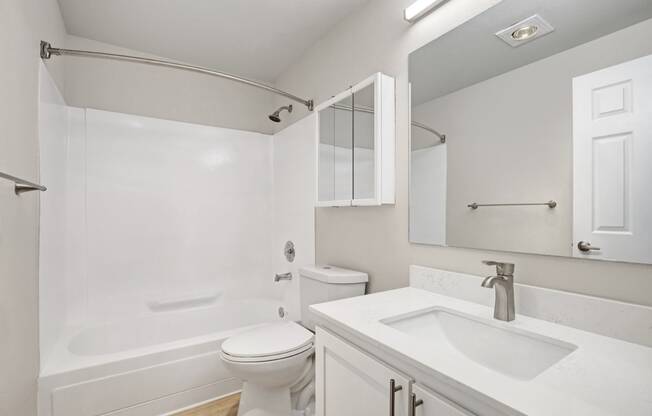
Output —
<point x="532" y="131"/>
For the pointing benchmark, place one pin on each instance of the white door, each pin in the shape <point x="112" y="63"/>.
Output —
<point x="428" y="403"/>
<point x="351" y="383"/>
<point x="612" y="166"/>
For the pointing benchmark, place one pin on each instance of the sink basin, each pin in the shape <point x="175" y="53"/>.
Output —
<point x="516" y="353"/>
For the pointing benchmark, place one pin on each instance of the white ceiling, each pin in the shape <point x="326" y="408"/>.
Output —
<point x="471" y="53"/>
<point x="253" y="38"/>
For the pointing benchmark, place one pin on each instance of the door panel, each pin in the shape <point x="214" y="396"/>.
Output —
<point x="611" y="172"/>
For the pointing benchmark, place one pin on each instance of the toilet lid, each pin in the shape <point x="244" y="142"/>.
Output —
<point x="268" y="340"/>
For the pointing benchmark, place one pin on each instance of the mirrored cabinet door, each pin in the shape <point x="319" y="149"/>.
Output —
<point x="335" y="153"/>
<point x="356" y="145"/>
<point x="364" y="145"/>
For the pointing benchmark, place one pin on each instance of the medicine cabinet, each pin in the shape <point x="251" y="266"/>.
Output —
<point x="356" y="142"/>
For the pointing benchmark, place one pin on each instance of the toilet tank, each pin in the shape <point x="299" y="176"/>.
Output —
<point x="327" y="283"/>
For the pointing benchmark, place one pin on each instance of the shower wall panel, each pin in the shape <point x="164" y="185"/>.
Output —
<point x="175" y="212"/>
<point x="53" y="143"/>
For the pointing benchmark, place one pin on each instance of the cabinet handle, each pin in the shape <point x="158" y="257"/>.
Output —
<point x="393" y="388"/>
<point x="414" y="403"/>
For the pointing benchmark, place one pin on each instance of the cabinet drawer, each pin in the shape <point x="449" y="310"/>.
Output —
<point x="435" y="405"/>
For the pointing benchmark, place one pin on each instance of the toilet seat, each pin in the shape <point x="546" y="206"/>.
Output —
<point x="269" y="342"/>
<point x="270" y="358"/>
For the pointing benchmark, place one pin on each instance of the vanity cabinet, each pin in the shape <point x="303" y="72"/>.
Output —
<point x="356" y="142"/>
<point x="352" y="383"/>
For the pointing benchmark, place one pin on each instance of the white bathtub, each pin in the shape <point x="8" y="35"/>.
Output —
<point x="147" y="366"/>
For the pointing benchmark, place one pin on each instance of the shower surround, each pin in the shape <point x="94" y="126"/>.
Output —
<point x="159" y="239"/>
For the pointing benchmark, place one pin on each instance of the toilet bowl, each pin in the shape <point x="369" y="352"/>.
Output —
<point x="275" y="360"/>
<point x="270" y="360"/>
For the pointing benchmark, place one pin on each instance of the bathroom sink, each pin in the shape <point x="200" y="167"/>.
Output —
<point x="518" y="354"/>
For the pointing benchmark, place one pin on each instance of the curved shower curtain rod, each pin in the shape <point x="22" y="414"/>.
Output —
<point x="47" y="51"/>
<point x="441" y="136"/>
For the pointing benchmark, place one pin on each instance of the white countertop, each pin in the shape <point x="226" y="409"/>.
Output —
<point x="603" y="376"/>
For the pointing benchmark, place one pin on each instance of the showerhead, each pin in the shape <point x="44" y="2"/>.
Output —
<point x="276" y="115"/>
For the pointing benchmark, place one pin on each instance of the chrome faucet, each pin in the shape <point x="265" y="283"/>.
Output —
<point x="283" y="276"/>
<point x="503" y="282"/>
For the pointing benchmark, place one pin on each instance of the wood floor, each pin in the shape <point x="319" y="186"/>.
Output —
<point x="227" y="406"/>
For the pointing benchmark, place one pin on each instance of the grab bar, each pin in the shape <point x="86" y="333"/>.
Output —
<point x="550" y="204"/>
<point x="21" y="185"/>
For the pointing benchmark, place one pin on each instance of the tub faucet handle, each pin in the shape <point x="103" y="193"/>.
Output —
<point x="283" y="276"/>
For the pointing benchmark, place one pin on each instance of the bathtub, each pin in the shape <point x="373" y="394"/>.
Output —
<point x="153" y="365"/>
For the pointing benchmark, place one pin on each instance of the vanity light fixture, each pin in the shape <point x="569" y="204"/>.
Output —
<point x="420" y="8"/>
<point x="525" y="31"/>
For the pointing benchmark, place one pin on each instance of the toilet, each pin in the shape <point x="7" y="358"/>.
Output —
<point x="275" y="360"/>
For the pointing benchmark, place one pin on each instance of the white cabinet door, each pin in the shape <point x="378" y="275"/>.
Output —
<point x="351" y="383"/>
<point x="428" y="403"/>
<point x="612" y="152"/>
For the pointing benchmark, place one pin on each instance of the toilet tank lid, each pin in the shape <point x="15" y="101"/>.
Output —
<point x="333" y="274"/>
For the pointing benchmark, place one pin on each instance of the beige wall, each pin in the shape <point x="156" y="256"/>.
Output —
<point x="22" y="24"/>
<point x="170" y="94"/>
<point x="498" y="152"/>
<point x="376" y="239"/>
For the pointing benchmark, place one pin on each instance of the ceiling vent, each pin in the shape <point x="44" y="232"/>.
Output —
<point x="525" y="31"/>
